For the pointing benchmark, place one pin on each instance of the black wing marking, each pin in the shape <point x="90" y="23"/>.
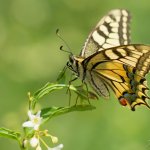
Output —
<point x="112" y="30"/>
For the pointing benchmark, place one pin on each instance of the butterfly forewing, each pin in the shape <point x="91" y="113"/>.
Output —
<point x="112" y="30"/>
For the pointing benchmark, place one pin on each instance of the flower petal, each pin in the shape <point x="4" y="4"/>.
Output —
<point x="36" y="126"/>
<point x="38" y="114"/>
<point x="28" y="124"/>
<point x="58" y="147"/>
<point x="34" y="141"/>
<point x="30" y="115"/>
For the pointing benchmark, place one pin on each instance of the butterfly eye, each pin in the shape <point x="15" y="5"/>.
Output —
<point x="71" y="59"/>
<point x="68" y="64"/>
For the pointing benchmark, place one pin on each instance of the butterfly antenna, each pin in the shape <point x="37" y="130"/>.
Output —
<point x="61" y="47"/>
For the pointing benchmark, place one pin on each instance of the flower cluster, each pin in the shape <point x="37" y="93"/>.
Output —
<point x="36" y="140"/>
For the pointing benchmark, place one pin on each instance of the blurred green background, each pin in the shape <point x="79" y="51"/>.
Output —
<point x="30" y="57"/>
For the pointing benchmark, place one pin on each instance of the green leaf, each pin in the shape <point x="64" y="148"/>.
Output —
<point x="48" y="113"/>
<point x="46" y="89"/>
<point x="49" y="87"/>
<point x="9" y="134"/>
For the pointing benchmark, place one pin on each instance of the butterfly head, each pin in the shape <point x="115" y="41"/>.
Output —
<point x="74" y="63"/>
<point x="71" y="64"/>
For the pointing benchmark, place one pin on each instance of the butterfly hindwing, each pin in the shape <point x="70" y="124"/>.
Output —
<point x="98" y="84"/>
<point x="138" y="88"/>
<point x="123" y="68"/>
<point x="112" y="30"/>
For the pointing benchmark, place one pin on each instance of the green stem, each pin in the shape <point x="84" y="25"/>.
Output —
<point x="43" y="142"/>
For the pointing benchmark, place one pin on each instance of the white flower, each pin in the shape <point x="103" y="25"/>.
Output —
<point x="35" y="120"/>
<point x="58" y="147"/>
<point x="34" y="141"/>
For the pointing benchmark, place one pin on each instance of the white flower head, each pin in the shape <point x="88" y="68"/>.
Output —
<point x="34" y="120"/>
<point x="34" y="142"/>
<point x="58" y="147"/>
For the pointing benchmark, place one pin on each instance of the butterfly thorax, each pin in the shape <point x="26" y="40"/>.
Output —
<point x="75" y="65"/>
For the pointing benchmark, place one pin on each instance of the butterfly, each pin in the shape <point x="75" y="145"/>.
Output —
<point x="108" y="61"/>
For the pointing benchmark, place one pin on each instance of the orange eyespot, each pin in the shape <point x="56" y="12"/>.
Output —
<point x="123" y="101"/>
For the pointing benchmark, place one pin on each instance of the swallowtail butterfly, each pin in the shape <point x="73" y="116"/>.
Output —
<point x="109" y="61"/>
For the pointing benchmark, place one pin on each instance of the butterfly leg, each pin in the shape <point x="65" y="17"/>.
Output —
<point x="87" y="93"/>
<point x="76" y="100"/>
<point x="68" y="89"/>
<point x="80" y="90"/>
